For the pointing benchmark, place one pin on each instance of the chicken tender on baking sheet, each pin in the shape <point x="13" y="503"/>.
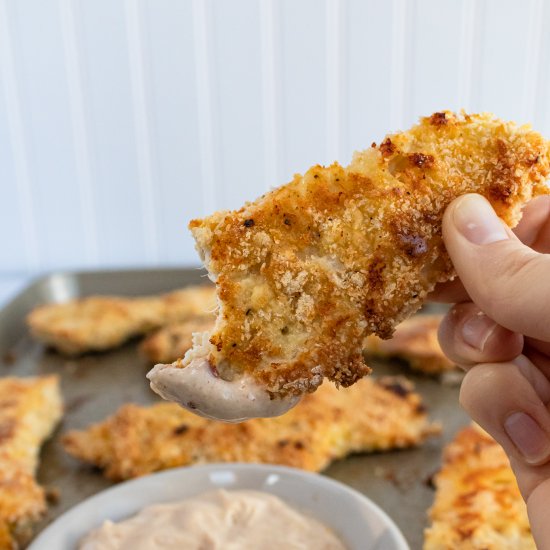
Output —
<point x="310" y="269"/>
<point x="414" y="341"/>
<point x="325" y="426"/>
<point x="173" y="341"/>
<point x="30" y="408"/>
<point x="100" y="323"/>
<point x="477" y="504"/>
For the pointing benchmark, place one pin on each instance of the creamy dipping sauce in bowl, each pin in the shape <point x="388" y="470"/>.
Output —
<point x="211" y="497"/>
<point x="216" y="520"/>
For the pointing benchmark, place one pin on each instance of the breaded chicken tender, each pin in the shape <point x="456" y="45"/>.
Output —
<point x="477" y="504"/>
<point x="310" y="269"/>
<point x="324" y="427"/>
<point x="414" y="341"/>
<point x="173" y="341"/>
<point x="100" y="323"/>
<point x="30" y="408"/>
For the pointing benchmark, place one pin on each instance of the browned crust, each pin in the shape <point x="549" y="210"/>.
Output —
<point x="414" y="341"/>
<point x="100" y="323"/>
<point x="29" y="410"/>
<point x="307" y="271"/>
<point x="477" y="502"/>
<point x="324" y="427"/>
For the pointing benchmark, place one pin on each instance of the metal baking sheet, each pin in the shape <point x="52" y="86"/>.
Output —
<point x="94" y="386"/>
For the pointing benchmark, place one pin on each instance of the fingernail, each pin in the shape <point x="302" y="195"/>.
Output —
<point x="530" y="440"/>
<point x="476" y="220"/>
<point x="477" y="330"/>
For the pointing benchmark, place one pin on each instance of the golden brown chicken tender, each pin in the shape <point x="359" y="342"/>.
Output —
<point x="477" y="504"/>
<point x="307" y="271"/>
<point x="30" y="408"/>
<point x="99" y="323"/>
<point x="324" y="427"/>
<point x="415" y="341"/>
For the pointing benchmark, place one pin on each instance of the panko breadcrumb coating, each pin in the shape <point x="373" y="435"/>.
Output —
<point x="477" y="504"/>
<point x="310" y="269"/>
<point x="328" y="425"/>
<point x="415" y="341"/>
<point x="30" y="408"/>
<point x="99" y="323"/>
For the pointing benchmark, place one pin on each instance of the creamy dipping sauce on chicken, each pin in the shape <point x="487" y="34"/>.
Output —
<point x="217" y="520"/>
<point x="202" y="391"/>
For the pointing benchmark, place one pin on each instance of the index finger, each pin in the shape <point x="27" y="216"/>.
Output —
<point x="532" y="230"/>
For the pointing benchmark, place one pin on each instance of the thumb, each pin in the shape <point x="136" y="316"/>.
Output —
<point x="507" y="280"/>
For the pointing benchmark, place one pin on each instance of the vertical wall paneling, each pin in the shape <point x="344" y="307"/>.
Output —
<point x="533" y="59"/>
<point x="139" y="84"/>
<point x="541" y="117"/>
<point x="81" y="143"/>
<point x="239" y="100"/>
<point x="504" y="55"/>
<point x="434" y="73"/>
<point x="17" y="190"/>
<point x="40" y="73"/>
<point x="337" y="133"/>
<point x="121" y="232"/>
<point x="270" y="32"/>
<point x="14" y="252"/>
<point x="478" y="53"/>
<point x="469" y="49"/>
<point x="121" y="121"/>
<point x="206" y="104"/>
<point x="368" y="47"/>
<point x="400" y="60"/>
<point x="304" y="81"/>
<point x="169" y="48"/>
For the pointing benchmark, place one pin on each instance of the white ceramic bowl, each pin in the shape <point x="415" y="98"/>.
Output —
<point x="360" y="523"/>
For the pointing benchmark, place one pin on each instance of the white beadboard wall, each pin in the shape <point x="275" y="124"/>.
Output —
<point x="122" y="119"/>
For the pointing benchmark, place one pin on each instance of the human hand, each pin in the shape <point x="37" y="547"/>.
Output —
<point x="499" y="332"/>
